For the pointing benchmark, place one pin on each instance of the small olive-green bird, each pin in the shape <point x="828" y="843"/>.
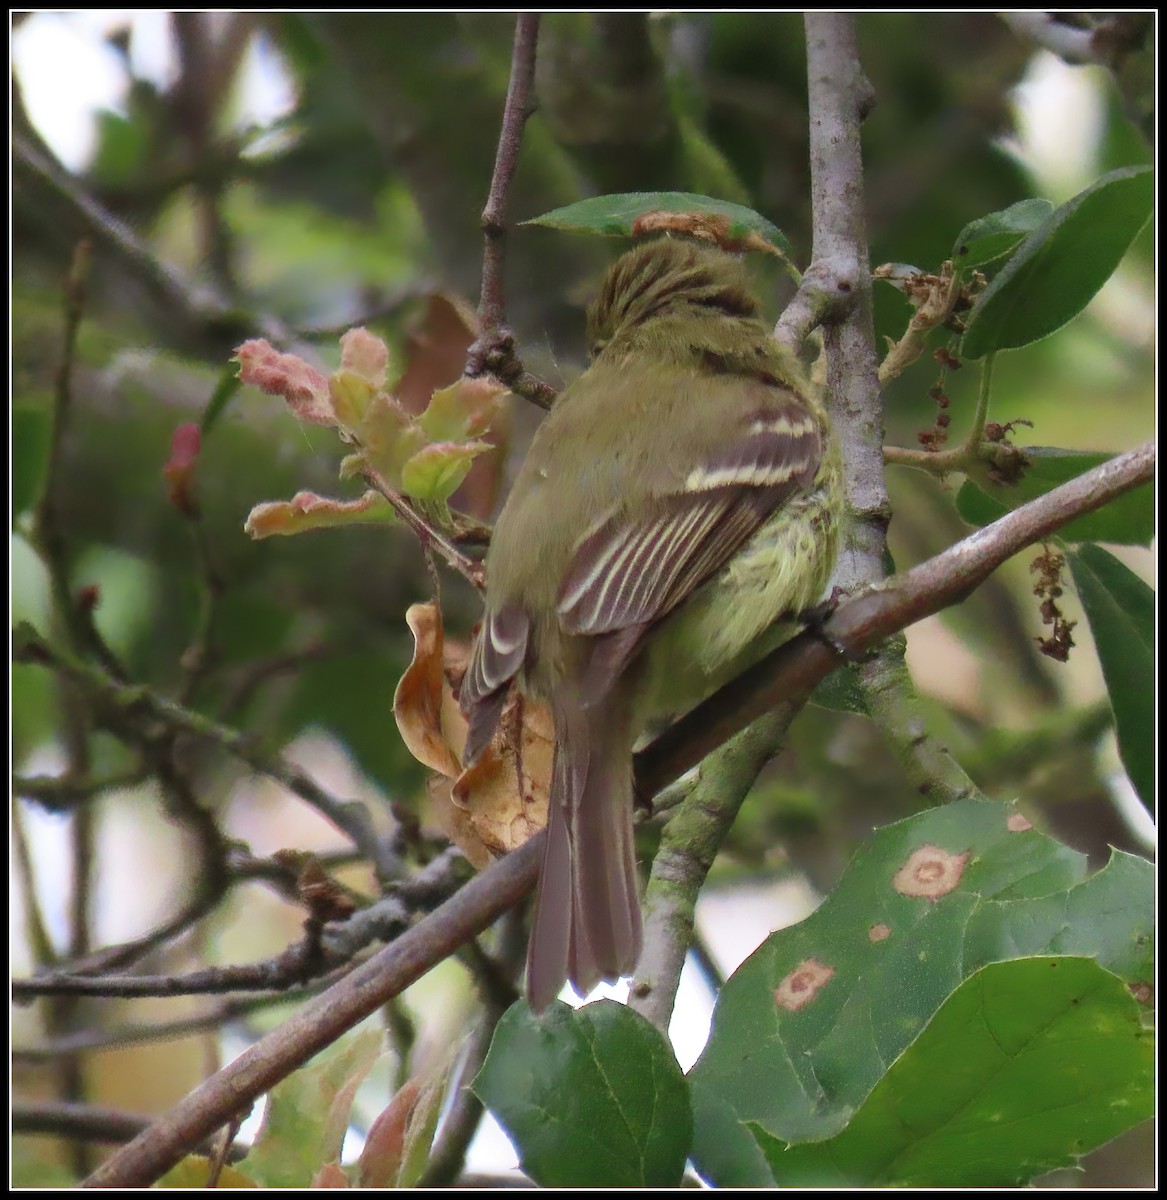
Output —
<point x="679" y="498"/>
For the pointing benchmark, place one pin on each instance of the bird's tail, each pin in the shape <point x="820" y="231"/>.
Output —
<point x="587" y="908"/>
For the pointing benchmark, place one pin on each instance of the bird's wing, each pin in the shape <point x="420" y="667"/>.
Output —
<point x="499" y="652"/>
<point x="625" y="574"/>
<point x="630" y="573"/>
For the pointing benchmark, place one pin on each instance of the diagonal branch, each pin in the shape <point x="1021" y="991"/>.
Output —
<point x="792" y="671"/>
<point x="787" y="675"/>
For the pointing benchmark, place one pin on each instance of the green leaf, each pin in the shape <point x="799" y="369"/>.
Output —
<point x="988" y="238"/>
<point x="1060" y="266"/>
<point x="462" y="411"/>
<point x="874" y="963"/>
<point x="31" y="432"/>
<point x="1128" y="519"/>
<point x="307" y="1114"/>
<point x="620" y="216"/>
<point x="1109" y="917"/>
<point x="1026" y="1067"/>
<point x="436" y="471"/>
<point x="1121" y="610"/>
<point x="592" y="1097"/>
<point x="194" y="1171"/>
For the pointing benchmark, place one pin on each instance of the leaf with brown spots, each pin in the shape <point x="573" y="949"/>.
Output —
<point x="930" y="873"/>
<point x="972" y="886"/>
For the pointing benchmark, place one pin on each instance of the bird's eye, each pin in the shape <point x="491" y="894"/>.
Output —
<point x="599" y="346"/>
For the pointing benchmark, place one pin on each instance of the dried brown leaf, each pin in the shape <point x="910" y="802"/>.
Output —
<point x="431" y="726"/>
<point x="499" y="801"/>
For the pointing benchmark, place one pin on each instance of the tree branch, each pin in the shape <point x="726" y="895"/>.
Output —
<point x="788" y="675"/>
<point x="138" y="704"/>
<point x="494" y="351"/>
<point x="87" y="1122"/>
<point x="321" y="1022"/>
<point x="689" y="844"/>
<point x="839" y="99"/>
<point x="190" y="308"/>
<point x="793" y="670"/>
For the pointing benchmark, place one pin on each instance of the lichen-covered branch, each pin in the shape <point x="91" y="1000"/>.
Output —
<point x="788" y="675"/>
<point x="689" y="843"/>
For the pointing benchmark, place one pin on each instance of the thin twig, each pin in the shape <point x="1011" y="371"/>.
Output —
<point x="295" y="966"/>
<point x="110" y="958"/>
<point x="788" y="674"/>
<point x="48" y="536"/>
<point x="88" y="1122"/>
<point x="494" y="351"/>
<point x="932" y="311"/>
<point x="492" y="305"/>
<point x="215" y="1017"/>
<point x="823" y="295"/>
<point x="223" y="1145"/>
<point x="427" y="534"/>
<point x="497" y="977"/>
<point x="199" y="311"/>
<point x="199" y="655"/>
<point x="242" y="870"/>
<point x="36" y="929"/>
<point x="333" y="945"/>
<point x="138" y="706"/>
<point x="710" y="972"/>
<point x="975" y="450"/>
<point x="254" y="674"/>
<point x="60" y="792"/>
<point x="318" y="1024"/>
<point x="465" y="1113"/>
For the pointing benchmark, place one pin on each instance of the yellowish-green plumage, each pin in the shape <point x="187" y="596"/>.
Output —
<point x="680" y="498"/>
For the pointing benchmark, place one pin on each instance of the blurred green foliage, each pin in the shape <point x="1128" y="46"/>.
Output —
<point x="363" y="200"/>
<point x="365" y="197"/>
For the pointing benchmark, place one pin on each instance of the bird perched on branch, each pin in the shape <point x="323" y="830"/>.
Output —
<point x="680" y="498"/>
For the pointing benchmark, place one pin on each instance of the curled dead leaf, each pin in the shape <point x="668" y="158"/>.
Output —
<point x="433" y="730"/>
<point x="307" y="511"/>
<point x="506" y="791"/>
<point x="456" y="823"/>
<point x="499" y="801"/>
